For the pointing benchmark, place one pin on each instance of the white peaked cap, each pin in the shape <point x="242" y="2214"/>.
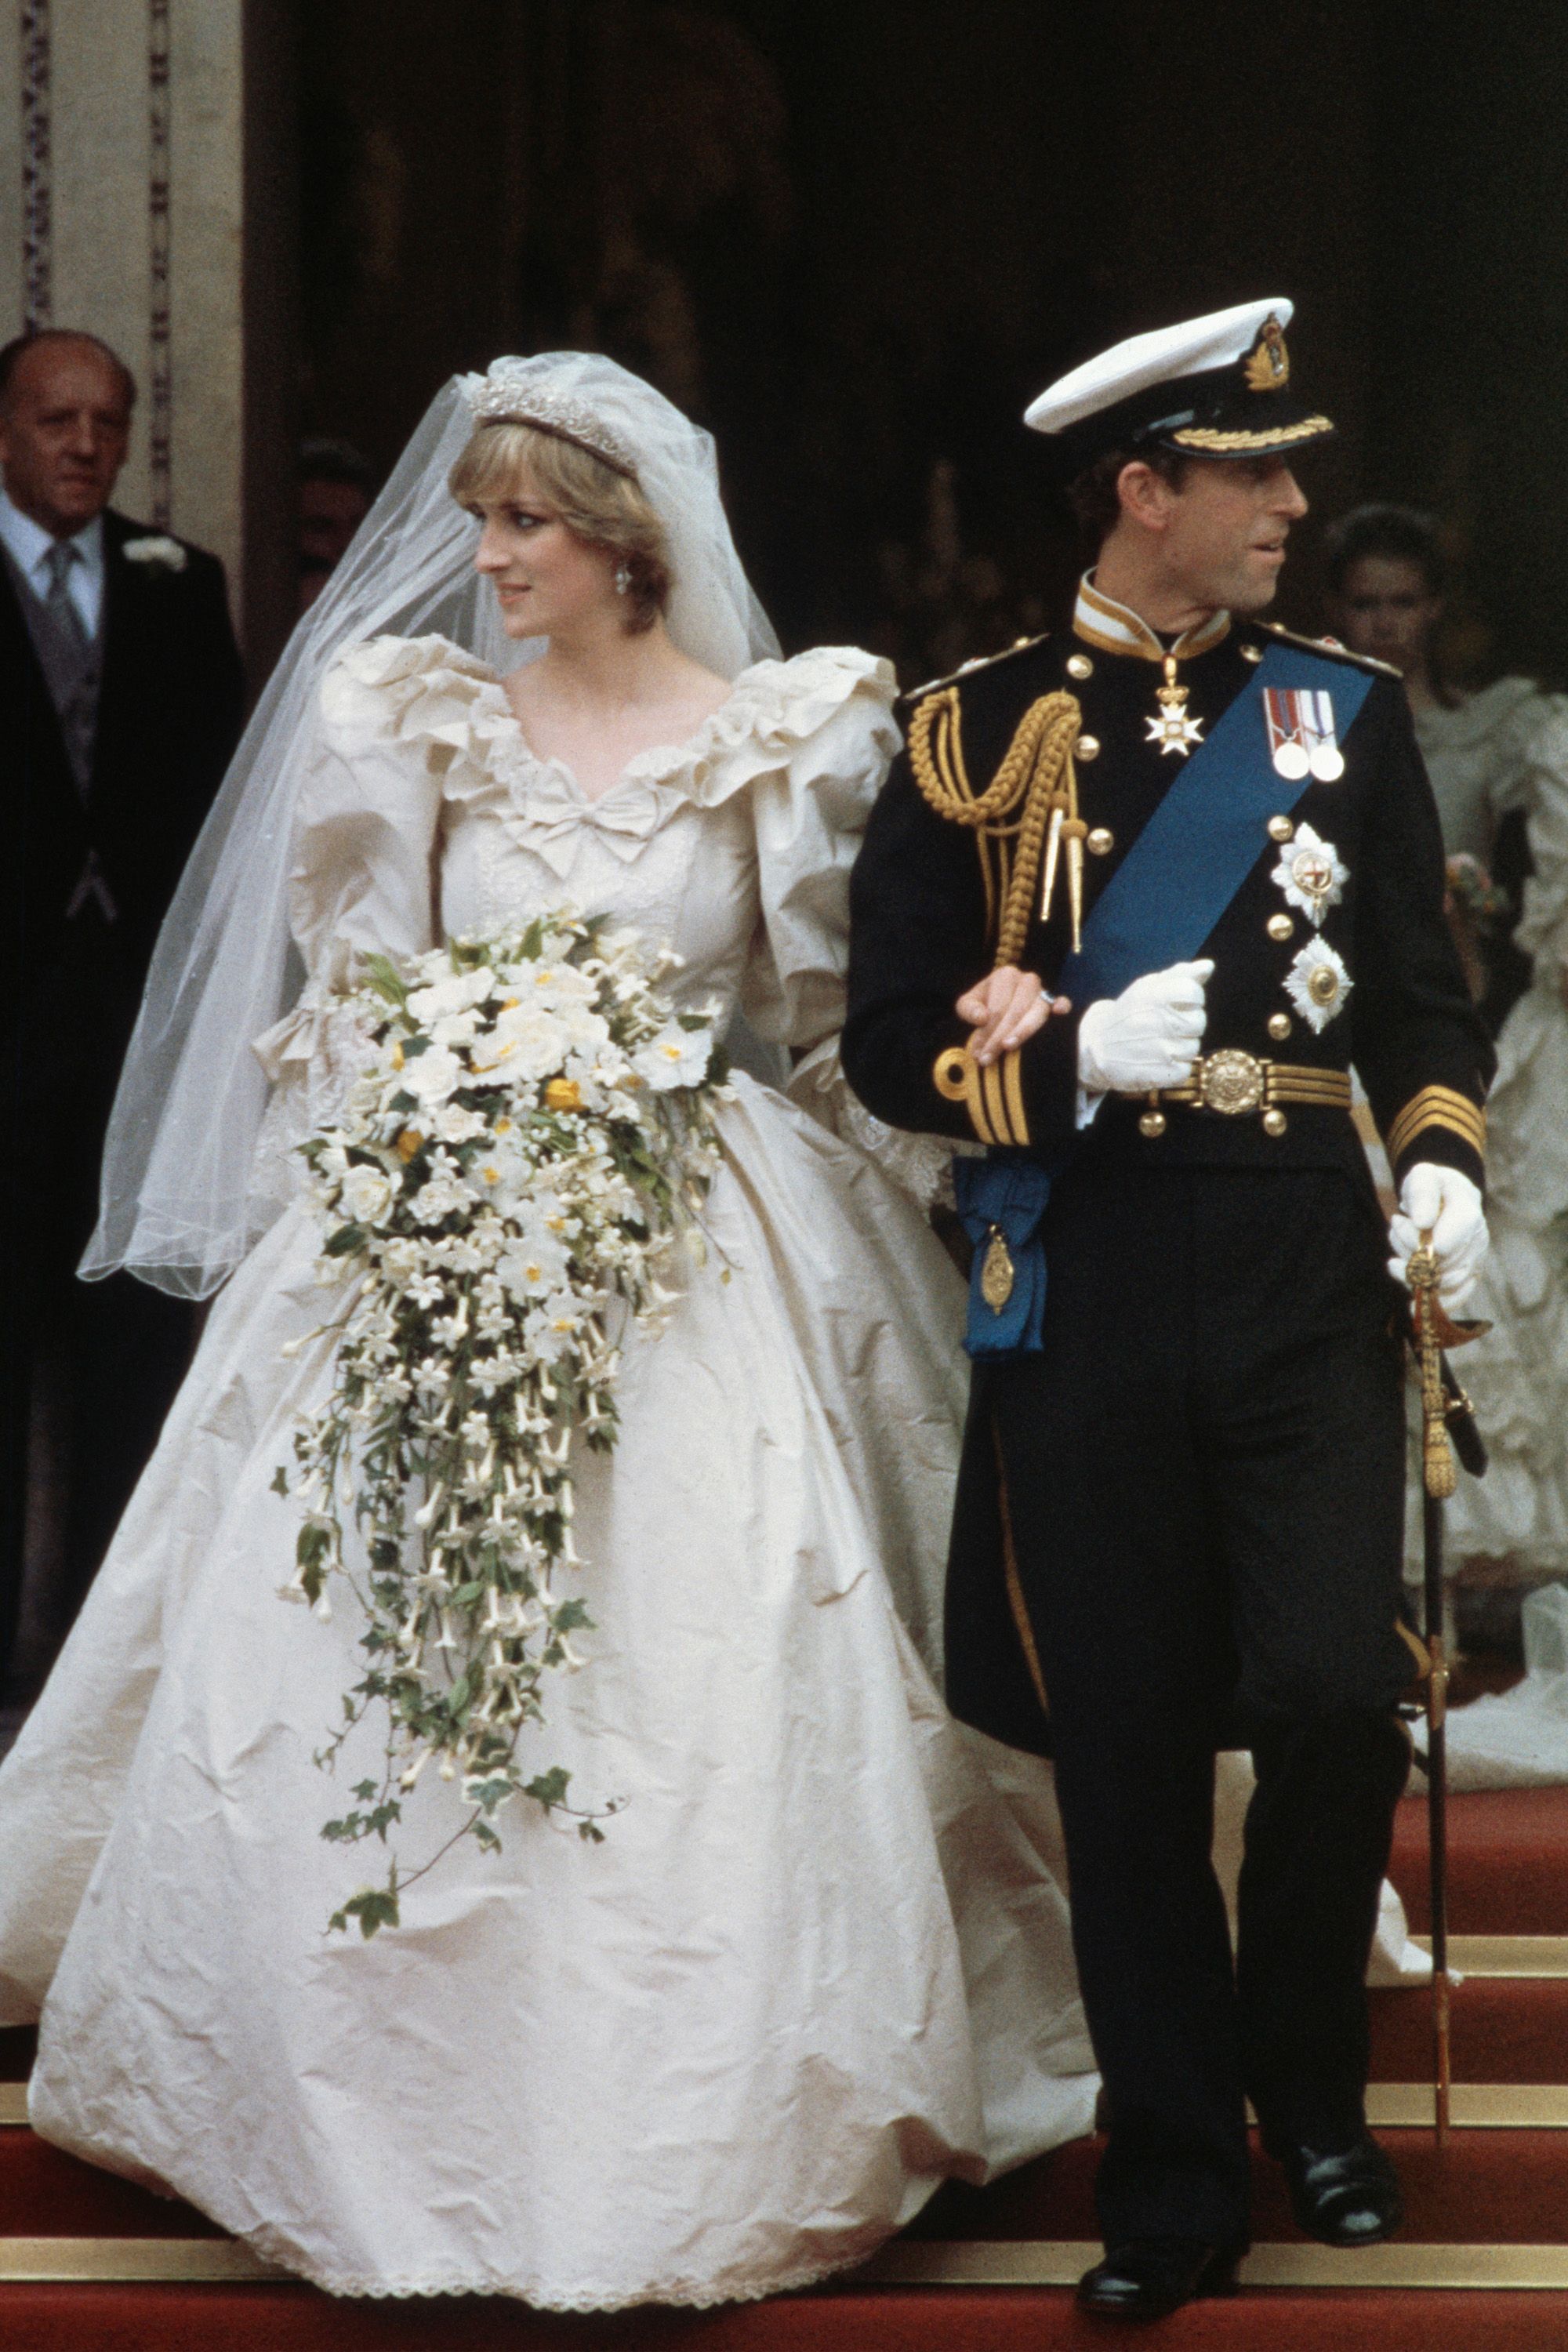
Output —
<point x="1166" y="355"/>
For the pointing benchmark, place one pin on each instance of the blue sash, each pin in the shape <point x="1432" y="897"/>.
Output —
<point x="1158" y="909"/>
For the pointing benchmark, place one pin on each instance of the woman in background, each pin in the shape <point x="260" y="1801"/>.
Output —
<point x="1499" y="764"/>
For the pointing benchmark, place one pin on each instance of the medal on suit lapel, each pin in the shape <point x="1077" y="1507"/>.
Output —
<point x="1170" y="727"/>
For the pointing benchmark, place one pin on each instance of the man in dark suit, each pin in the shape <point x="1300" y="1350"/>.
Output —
<point x="121" y="701"/>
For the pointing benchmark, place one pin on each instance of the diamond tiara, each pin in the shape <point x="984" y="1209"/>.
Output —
<point x="512" y="400"/>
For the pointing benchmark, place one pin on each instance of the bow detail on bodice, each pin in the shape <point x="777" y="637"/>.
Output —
<point x="554" y="814"/>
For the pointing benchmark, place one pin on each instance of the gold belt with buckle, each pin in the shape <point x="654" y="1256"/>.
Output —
<point x="1234" y="1083"/>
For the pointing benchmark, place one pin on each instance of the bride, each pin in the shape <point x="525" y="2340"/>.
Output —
<point x="818" y="1963"/>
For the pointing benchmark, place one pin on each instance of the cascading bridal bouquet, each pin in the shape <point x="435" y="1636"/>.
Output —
<point x="522" y="1154"/>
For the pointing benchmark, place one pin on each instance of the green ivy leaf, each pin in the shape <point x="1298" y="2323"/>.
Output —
<point x="489" y="1794"/>
<point x="373" y="1907"/>
<point x="548" y="1789"/>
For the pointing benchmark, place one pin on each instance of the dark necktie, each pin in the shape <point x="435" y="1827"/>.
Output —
<point x="74" y="685"/>
<point x="71" y="664"/>
<point x="61" y="604"/>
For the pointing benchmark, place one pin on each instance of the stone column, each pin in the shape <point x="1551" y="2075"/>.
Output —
<point x="145" y="146"/>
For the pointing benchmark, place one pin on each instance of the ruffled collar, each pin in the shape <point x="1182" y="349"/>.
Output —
<point x="549" y="812"/>
<point x="428" y="690"/>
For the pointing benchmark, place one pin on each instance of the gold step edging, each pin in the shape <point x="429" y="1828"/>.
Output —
<point x="13" y="2103"/>
<point x="913" y="2261"/>
<point x="178" y="2261"/>
<point x="131" y="2261"/>
<point x="1505" y="1956"/>
<point x="1473" y="2107"/>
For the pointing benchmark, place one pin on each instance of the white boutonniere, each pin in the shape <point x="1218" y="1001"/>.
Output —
<point x="166" y="554"/>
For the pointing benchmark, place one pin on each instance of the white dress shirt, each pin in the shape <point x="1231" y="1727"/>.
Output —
<point x="28" y="543"/>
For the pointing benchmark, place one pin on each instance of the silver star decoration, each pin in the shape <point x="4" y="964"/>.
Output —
<point x="1175" y="732"/>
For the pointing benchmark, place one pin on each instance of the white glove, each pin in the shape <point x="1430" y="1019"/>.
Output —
<point x="1446" y="1204"/>
<point x="1148" y="1037"/>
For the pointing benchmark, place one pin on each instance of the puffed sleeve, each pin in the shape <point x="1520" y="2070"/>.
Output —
<point x="393" y="717"/>
<point x="394" y="714"/>
<point x="831" y="737"/>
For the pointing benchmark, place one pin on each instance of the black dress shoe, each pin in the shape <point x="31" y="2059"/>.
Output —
<point x="1148" y="2277"/>
<point x="1349" y="2198"/>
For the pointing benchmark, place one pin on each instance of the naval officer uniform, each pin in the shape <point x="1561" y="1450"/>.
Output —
<point x="1179" y="1517"/>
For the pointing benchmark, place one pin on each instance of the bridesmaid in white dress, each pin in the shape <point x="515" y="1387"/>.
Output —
<point x="1490" y="755"/>
<point x="819" y="1963"/>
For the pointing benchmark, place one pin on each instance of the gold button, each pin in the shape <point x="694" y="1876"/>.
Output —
<point x="1279" y="1024"/>
<point x="1274" y="1122"/>
<point x="1280" y="828"/>
<point x="1252" y="653"/>
<point x="1280" y="927"/>
<point x="1088" y="747"/>
<point x="1079" y="666"/>
<point x="1152" y="1124"/>
<point x="1101" y="841"/>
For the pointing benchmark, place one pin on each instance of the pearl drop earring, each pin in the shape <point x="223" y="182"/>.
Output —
<point x="623" y="578"/>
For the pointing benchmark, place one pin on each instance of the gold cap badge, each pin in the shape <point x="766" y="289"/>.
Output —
<point x="1267" y="366"/>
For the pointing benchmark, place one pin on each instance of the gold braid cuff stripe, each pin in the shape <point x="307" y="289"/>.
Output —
<point x="1011" y="815"/>
<point x="1208" y="437"/>
<point x="993" y="1097"/>
<point x="1437" y="1107"/>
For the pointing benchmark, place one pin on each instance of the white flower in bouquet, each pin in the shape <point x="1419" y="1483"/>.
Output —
<point x="532" y="1265"/>
<point x="366" y="1195"/>
<point x="520" y="1155"/>
<point x="453" y="993"/>
<point x="526" y="1041"/>
<point x="676" y="1057"/>
<point x="432" y="1076"/>
<point x="557" y="986"/>
<point x="453" y="1123"/>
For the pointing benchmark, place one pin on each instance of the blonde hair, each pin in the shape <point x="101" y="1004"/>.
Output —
<point x="594" y="501"/>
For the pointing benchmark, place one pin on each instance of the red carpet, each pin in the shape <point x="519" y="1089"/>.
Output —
<point x="290" y="2319"/>
<point x="1507" y="1863"/>
<point x="1499" y="2187"/>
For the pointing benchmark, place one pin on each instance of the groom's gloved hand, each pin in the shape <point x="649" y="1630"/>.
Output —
<point x="1148" y="1037"/>
<point x="1445" y="1203"/>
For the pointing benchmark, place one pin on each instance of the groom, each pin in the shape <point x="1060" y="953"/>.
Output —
<point x="1134" y="900"/>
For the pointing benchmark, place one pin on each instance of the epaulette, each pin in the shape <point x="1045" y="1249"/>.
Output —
<point x="1332" y="647"/>
<point x="967" y="669"/>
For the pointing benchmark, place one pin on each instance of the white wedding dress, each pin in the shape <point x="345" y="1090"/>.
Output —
<point x="819" y="1962"/>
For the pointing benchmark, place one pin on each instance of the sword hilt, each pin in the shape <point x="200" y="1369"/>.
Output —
<point x="1438" y="1473"/>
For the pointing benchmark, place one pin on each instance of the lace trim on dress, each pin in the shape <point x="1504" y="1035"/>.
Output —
<point x="692" y="2294"/>
<point x="920" y="1165"/>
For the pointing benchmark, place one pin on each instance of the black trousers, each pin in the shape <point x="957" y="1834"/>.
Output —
<point x="1204" y="1470"/>
<point x="118" y="1349"/>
